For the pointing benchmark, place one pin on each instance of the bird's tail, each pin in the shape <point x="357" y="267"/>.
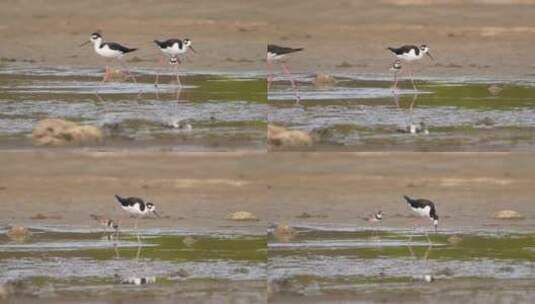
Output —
<point x="409" y="200"/>
<point x="391" y="49"/>
<point x="120" y="199"/>
<point x="158" y="42"/>
<point x="130" y="50"/>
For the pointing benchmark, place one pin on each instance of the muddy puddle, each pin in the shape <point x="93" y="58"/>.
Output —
<point x="327" y="266"/>
<point x="211" y="111"/>
<point x="363" y="113"/>
<point x="56" y="264"/>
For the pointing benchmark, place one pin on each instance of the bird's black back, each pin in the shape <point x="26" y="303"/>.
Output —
<point x="422" y="203"/>
<point x="168" y="43"/>
<point x="405" y="49"/>
<point x="117" y="47"/>
<point x="280" y="50"/>
<point x="131" y="201"/>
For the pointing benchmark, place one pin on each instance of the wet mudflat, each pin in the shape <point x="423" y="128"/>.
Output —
<point x="326" y="265"/>
<point x="212" y="111"/>
<point x="61" y="265"/>
<point x="365" y="114"/>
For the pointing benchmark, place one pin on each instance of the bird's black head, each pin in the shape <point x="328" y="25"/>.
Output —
<point x="151" y="208"/>
<point x="95" y="35"/>
<point x="379" y="215"/>
<point x="187" y="42"/>
<point x="425" y="50"/>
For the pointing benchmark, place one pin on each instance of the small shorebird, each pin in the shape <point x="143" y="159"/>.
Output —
<point x="396" y="68"/>
<point x="105" y="221"/>
<point x="173" y="48"/>
<point x="109" y="50"/>
<point x="278" y="54"/>
<point x="137" y="207"/>
<point x="424" y="208"/>
<point x="411" y="53"/>
<point x="374" y="218"/>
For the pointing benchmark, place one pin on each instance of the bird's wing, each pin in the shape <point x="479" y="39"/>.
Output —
<point x="271" y="48"/>
<point x="404" y="49"/>
<point x="117" y="47"/>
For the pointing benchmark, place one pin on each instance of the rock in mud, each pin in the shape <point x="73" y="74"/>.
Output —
<point x="242" y="216"/>
<point x="19" y="233"/>
<point x="485" y="122"/>
<point x="508" y="215"/>
<point x="282" y="137"/>
<point x="59" y="132"/>
<point x="284" y="233"/>
<point x="189" y="241"/>
<point x="181" y="273"/>
<point x="495" y="90"/>
<point x="117" y="75"/>
<point x="323" y="80"/>
<point x="454" y="239"/>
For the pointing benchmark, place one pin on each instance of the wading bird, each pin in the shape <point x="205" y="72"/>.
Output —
<point x="410" y="53"/>
<point x="277" y="54"/>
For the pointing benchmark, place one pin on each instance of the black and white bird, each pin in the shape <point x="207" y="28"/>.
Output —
<point x="410" y="53"/>
<point x="173" y="48"/>
<point x="136" y="206"/>
<point x="109" y="50"/>
<point x="424" y="208"/>
<point x="374" y="218"/>
<point x="277" y="54"/>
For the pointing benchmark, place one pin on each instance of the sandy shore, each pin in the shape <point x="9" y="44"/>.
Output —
<point x="468" y="38"/>
<point x="197" y="190"/>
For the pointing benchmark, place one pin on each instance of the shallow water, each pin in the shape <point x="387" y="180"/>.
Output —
<point x="360" y="113"/>
<point x="224" y="111"/>
<point x="82" y="265"/>
<point x="323" y="263"/>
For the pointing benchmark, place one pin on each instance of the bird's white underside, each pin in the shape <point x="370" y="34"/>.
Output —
<point x="423" y="212"/>
<point x="274" y="56"/>
<point x="411" y="55"/>
<point x="105" y="51"/>
<point x="174" y="50"/>
<point x="134" y="210"/>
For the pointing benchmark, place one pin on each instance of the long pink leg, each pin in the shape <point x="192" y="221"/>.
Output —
<point x="128" y="71"/>
<point x="285" y="68"/>
<point x="161" y="63"/>
<point x="270" y="75"/>
<point x="411" y="75"/>
<point x="106" y="74"/>
<point x="395" y="81"/>
<point x="177" y="76"/>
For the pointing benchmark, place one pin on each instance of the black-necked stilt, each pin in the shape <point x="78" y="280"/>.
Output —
<point x="173" y="48"/>
<point x="424" y="208"/>
<point x="411" y="53"/>
<point x="277" y="53"/>
<point x="137" y="207"/>
<point x="374" y="218"/>
<point x="109" y="50"/>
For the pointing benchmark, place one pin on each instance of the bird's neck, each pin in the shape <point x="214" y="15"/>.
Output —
<point x="97" y="43"/>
